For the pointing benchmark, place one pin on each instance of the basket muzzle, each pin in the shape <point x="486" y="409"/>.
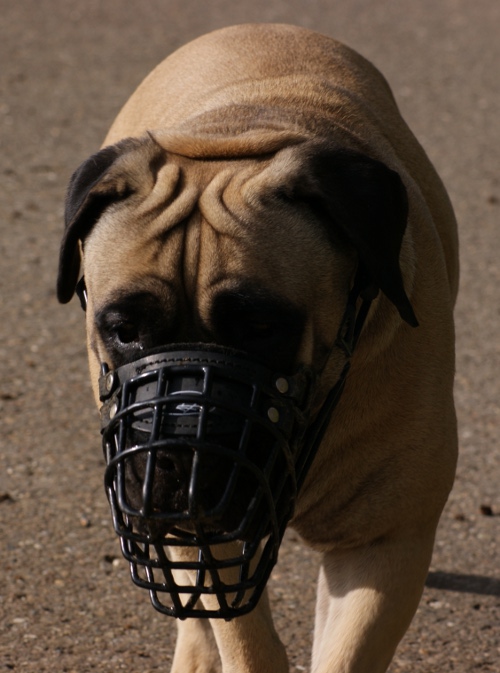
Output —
<point x="204" y="451"/>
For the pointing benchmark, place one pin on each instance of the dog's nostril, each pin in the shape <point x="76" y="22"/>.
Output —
<point x="178" y="465"/>
<point x="167" y="464"/>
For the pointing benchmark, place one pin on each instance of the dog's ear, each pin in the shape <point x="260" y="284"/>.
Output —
<point x="366" y="202"/>
<point x="101" y="180"/>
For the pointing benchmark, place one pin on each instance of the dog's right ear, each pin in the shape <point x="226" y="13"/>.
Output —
<point x="365" y="202"/>
<point x="103" y="179"/>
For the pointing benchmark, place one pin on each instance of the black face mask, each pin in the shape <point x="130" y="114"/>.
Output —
<point x="206" y="451"/>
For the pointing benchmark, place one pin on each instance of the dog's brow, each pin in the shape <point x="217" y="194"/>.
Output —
<point x="157" y="289"/>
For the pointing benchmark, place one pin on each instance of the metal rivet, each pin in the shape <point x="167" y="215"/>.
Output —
<point x="113" y="410"/>
<point x="110" y="379"/>
<point x="282" y="385"/>
<point x="273" y="414"/>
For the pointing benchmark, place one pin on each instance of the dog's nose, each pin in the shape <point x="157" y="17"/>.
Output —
<point x="175" y="463"/>
<point x="172" y="464"/>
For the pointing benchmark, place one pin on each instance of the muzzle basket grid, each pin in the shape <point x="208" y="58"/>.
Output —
<point x="209" y="553"/>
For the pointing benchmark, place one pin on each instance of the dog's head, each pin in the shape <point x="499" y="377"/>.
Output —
<point x="253" y="252"/>
<point x="252" y="247"/>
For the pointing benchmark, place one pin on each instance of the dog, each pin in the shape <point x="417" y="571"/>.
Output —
<point x="250" y="182"/>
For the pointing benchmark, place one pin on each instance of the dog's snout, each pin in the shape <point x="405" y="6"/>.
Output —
<point x="196" y="460"/>
<point x="176" y="462"/>
<point x="169" y="464"/>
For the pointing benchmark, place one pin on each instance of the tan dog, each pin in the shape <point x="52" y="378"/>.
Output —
<point x="270" y="161"/>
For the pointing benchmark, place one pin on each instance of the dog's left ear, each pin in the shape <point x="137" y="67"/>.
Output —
<point x="105" y="178"/>
<point x="366" y="202"/>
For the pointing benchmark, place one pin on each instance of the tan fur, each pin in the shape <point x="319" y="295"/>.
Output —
<point x="373" y="497"/>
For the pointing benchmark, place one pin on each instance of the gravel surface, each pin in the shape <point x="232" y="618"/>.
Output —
<point x="66" y="603"/>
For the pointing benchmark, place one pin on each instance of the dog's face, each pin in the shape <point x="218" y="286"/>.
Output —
<point x="214" y="254"/>
<point x="254" y="253"/>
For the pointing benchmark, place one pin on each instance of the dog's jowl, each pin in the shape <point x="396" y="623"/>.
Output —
<point x="268" y="263"/>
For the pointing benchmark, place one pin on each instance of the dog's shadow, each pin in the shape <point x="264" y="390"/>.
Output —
<point x="471" y="584"/>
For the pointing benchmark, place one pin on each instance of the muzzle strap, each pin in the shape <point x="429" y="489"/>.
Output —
<point x="349" y="332"/>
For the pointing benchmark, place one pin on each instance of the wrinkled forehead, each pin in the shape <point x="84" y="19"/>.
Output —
<point x="202" y="223"/>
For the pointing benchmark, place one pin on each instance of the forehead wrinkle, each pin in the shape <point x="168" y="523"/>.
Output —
<point x="214" y="201"/>
<point x="165" y="189"/>
<point x="189" y="257"/>
<point x="176" y="213"/>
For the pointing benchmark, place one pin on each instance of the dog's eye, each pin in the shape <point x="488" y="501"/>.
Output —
<point x="119" y="329"/>
<point x="251" y="319"/>
<point x="127" y="332"/>
<point x="134" y="323"/>
<point x="259" y="330"/>
<point x="252" y="328"/>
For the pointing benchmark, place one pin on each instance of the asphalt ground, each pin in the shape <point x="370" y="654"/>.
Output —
<point x="66" y="67"/>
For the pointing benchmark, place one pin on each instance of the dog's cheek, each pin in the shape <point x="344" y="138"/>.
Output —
<point x="94" y="362"/>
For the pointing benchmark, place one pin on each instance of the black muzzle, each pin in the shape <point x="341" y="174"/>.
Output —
<point x="204" y="452"/>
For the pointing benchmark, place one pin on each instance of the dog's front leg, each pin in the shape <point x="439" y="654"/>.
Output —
<point x="366" y="600"/>
<point x="196" y="649"/>
<point x="246" y="644"/>
<point x="250" y="644"/>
